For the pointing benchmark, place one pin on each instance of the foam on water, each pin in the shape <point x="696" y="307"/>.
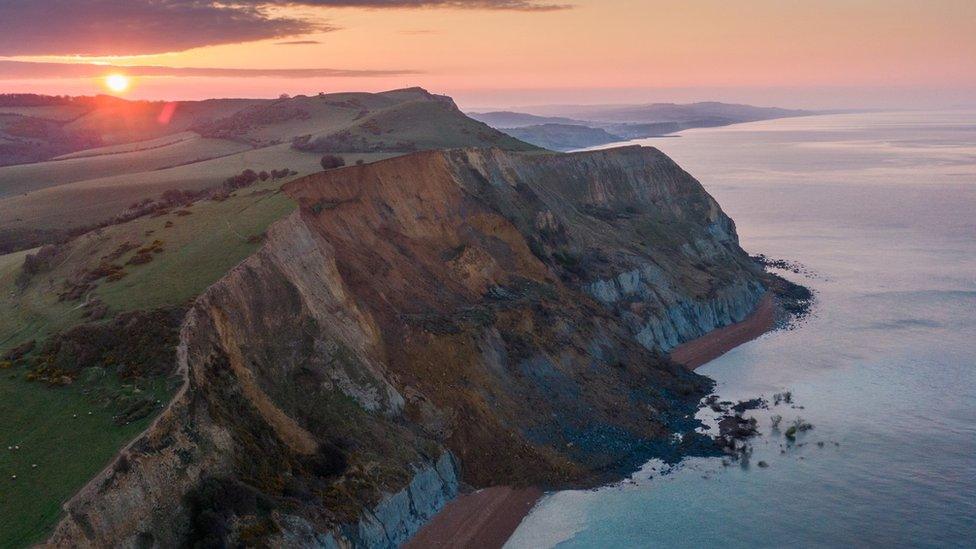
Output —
<point x="882" y="207"/>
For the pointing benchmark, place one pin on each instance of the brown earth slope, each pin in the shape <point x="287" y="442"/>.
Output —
<point x="472" y="316"/>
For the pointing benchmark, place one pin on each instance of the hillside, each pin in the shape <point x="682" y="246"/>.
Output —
<point x="205" y="142"/>
<point x="475" y="316"/>
<point x="412" y="126"/>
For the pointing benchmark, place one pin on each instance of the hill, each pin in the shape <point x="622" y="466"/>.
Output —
<point x="563" y="137"/>
<point x="509" y="119"/>
<point x="582" y="126"/>
<point x="666" y="112"/>
<point x="206" y="142"/>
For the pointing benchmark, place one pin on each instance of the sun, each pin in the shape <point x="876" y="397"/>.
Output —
<point x="117" y="82"/>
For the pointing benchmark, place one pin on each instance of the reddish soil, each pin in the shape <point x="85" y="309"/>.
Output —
<point x="484" y="519"/>
<point x="696" y="352"/>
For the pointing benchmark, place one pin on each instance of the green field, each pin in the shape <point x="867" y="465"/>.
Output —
<point x="26" y="178"/>
<point x="65" y="436"/>
<point x="197" y="250"/>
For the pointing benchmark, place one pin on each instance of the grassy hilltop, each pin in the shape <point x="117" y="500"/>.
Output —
<point x="204" y="143"/>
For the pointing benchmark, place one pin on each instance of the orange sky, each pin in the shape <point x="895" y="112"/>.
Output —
<point x="795" y="53"/>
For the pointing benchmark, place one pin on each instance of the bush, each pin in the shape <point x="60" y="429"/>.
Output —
<point x="331" y="161"/>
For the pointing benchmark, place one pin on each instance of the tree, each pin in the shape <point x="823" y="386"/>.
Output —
<point x="331" y="161"/>
<point x="264" y="175"/>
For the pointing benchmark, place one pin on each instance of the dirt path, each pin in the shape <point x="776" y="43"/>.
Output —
<point x="696" y="352"/>
<point x="484" y="519"/>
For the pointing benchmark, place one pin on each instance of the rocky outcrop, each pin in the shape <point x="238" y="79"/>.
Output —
<point x="673" y="318"/>
<point x="470" y="315"/>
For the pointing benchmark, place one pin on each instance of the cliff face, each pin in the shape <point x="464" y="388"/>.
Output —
<point x="470" y="315"/>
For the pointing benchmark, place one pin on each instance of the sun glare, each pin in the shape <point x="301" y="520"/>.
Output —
<point x="117" y="82"/>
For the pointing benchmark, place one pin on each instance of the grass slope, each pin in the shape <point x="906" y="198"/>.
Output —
<point x="101" y="182"/>
<point x="198" y="249"/>
<point x="416" y="125"/>
<point x="65" y="436"/>
<point x="22" y="179"/>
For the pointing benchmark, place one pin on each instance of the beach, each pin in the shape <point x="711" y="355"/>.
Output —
<point x="484" y="519"/>
<point x="714" y="344"/>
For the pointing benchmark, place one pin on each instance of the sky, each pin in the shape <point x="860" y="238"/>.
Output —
<point x="502" y="53"/>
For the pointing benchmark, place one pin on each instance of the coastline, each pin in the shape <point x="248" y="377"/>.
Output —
<point x="487" y="518"/>
<point x="483" y="519"/>
<point x="714" y="344"/>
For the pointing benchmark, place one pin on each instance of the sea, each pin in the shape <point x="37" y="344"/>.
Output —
<point x="877" y="214"/>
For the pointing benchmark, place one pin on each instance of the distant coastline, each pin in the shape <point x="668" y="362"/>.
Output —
<point x="580" y="127"/>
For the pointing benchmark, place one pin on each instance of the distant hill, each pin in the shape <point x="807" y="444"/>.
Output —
<point x="563" y="137"/>
<point x="667" y="112"/>
<point x="509" y="119"/>
<point x="569" y="127"/>
<point x="411" y="126"/>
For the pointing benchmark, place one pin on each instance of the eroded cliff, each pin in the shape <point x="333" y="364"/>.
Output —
<point x="472" y="316"/>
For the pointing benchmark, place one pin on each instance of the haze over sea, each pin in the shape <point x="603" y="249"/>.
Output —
<point x="882" y="208"/>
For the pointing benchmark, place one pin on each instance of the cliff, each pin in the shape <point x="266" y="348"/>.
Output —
<point x="472" y="316"/>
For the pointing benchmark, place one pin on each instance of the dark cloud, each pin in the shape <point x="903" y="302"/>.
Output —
<point x="297" y="43"/>
<point x="128" y="27"/>
<point x="13" y="70"/>
<point x="131" y="27"/>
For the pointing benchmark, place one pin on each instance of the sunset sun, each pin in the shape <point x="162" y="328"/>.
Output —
<point x="117" y="82"/>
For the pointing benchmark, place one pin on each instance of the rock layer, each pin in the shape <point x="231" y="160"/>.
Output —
<point x="469" y="315"/>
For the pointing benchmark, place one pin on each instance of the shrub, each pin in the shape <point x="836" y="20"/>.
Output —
<point x="331" y="161"/>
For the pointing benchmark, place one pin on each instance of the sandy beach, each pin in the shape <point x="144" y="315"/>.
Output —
<point x="714" y="344"/>
<point x="484" y="519"/>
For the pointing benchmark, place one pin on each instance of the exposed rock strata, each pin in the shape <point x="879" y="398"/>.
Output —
<point x="468" y="315"/>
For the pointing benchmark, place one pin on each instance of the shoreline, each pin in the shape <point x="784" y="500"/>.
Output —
<point x="487" y="518"/>
<point x="716" y="343"/>
<point x="483" y="519"/>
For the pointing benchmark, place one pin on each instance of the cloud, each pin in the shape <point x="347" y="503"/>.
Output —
<point x="15" y="70"/>
<point x="297" y="43"/>
<point x="133" y="27"/>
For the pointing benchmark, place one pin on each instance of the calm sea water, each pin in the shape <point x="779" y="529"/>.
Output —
<point x="882" y="207"/>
